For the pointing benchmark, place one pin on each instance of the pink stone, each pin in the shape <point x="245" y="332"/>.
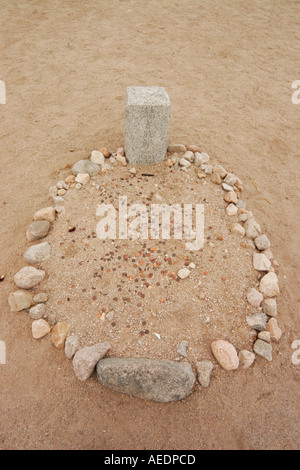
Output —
<point x="254" y="297"/>
<point x="275" y="331"/>
<point x="225" y="353"/>
<point x="59" y="334"/>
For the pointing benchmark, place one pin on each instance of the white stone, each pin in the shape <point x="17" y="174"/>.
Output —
<point x="254" y="297"/>
<point x="246" y="359"/>
<point x="231" y="210"/>
<point x="183" y="273"/>
<point x="269" y="285"/>
<point x="28" y="277"/>
<point x="261" y="262"/>
<point x="97" y="157"/>
<point x="47" y="213"/>
<point x="82" y="178"/>
<point x="262" y="242"/>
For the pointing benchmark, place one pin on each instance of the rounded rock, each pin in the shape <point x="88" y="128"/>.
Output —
<point x="226" y="355"/>
<point x="85" y="166"/>
<point x="40" y="328"/>
<point x="37" y="230"/>
<point x="269" y="285"/>
<point x="38" y="253"/>
<point x="28" y="277"/>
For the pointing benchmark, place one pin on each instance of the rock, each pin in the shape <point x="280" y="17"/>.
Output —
<point x="265" y="336"/>
<point x="252" y="228"/>
<point x="59" y="334"/>
<point x="226" y="355"/>
<point x="60" y="184"/>
<point x="231" y="196"/>
<point x="97" y="157"/>
<point x="189" y="156"/>
<point x="58" y="200"/>
<point x="183" y="273"/>
<point x="269" y="306"/>
<point x="85" y="359"/>
<point x="198" y="160"/>
<point x="40" y="328"/>
<point x="121" y="159"/>
<point x="227" y="187"/>
<point x="216" y="179"/>
<point x="38" y="229"/>
<point x="105" y="152"/>
<point x="20" y="300"/>
<point x="85" y="166"/>
<point x="269" y="285"/>
<point x="61" y="192"/>
<point x="241" y="204"/>
<point x="185" y="163"/>
<point x="52" y="191"/>
<point x="274" y="330"/>
<point x="82" y="178"/>
<point x="262" y="242"/>
<point x="231" y="210"/>
<point x="238" y="229"/>
<point x="132" y="171"/>
<point x="254" y="297"/>
<point x="268" y="253"/>
<point x="194" y="148"/>
<point x="230" y="179"/>
<point x="204" y="370"/>
<point x="220" y="170"/>
<point x="176" y="148"/>
<point x="205" y="157"/>
<point x="160" y="380"/>
<point x="246" y="359"/>
<point x="181" y="349"/>
<point x="263" y="349"/>
<point x="48" y="213"/>
<point x="38" y="253"/>
<point x="70" y="179"/>
<point x="78" y="186"/>
<point x="40" y="297"/>
<point x="121" y="151"/>
<point x="37" y="311"/>
<point x="257" y="321"/>
<point x="28" y="277"/>
<point x="71" y="346"/>
<point x="261" y="262"/>
<point x="208" y="169"/>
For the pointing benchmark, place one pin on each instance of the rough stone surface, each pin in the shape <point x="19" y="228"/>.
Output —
<point x="82" y="178"/>
<point x="71" y="346"/>
<point x="225" y="353"/>
<point x="246" y="358"/>
<point x="263" y="349"/>
<point x="254" y="297"/>
<point x="176" y="148"/>
<point x="40" y="328"/>
<point x="265" y="336"/>
<point x="262" y="242"/>
<point x="227" y="187"/>
<point x="269" y="306"/>
<point x="274" y="330"/>
<point x="38" y="253"/>
<point x="261" y="262"/>
<point x="238" y="229"/>
<point x="181" y="349"/>
<point x="85" y="359"/>
<point x="37" y="230"/>
<point x="216" y="179"/>
<point x="47" y="213"/>
<point x="204" y="370"/>
<point x="159" y="380"/>
<point x="252" y="228"/>
<point x="269" y="285"/>
<point x="20" y="300"/>
<point x="147" y="114"/>
<point x="230" y="197"/>
<point x="85" y="166"/>
<point x="37" y="311"/>
<point x="40" y="297"/>
<point x="257" y="321"/>
<point x="97" y="157"/>
<point x="59" y="333"/>
<point x="230" y="179"/>
<point x="231" y="210"/>
<point x="28" y="277"/>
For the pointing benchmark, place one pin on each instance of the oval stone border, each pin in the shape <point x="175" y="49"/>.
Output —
<point x="134" y="377"/>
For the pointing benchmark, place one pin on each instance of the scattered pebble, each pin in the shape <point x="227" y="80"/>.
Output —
<point x="71" y="346"/>
<point x="262" y="242"/>
<point x="85" y="359"/>
<point x="231" y="197"/>
<point x="37" y="253"/>
<point x="37" y="311"/>
<point x="40" y="297"/>
<point x="20" y="300"/>
<point x="252" y="228"/>
<point x="269" y="306"/>
<point x="48" y="213"/>
<point x="246" y="359"/>
<point x="37" y="230"/>
<point x="28" y="277"/>
<point x="97" y="157"/>
<point x="257" y="321"/>
<point x="254" y="297"/>
<point x="263" y="349"/>
<point x="261" y="262"/>
<point x="225" y="353"/>
<point x="231" y="210"/>
<point x="59" y="333"/>
<point x="40" y="328"/>
<point x="85" y="166"/>
<point x="204" y="370"/>
<point x="265" y="336"/>
<point x="269" y="285"/>
<point x="82" y="178"/>
<point x="227" y="187"/>
<point x="181" y="349"/>
<point x="183" y="273"/>
<point x="274" y="330"/>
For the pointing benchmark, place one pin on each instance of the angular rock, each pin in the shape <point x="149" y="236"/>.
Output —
<point x="274" y="330"/>
<point x="37" y="230"/>
<point x="265" y="336"/>
<point x="176" y="148"/>
<point x="85" y="166"/>
<point x="20" y="300"/>
<point x="225" y="353"/>
<point x="252" y="228"/>
<point x="59" y="333"/>
<point x="28" y="277"/>
<point x="105" y="151"/>
<point x="185" y="163"/>
<point x="71" y="346"/>
<point x="230" y="179"/>
<point x="263" y="349"/>
<point x="227" y="187"/>
<point x="269" y="285"/>
<point x="47" y="213"/>
<point x="220" y="170"/>
<point x="37" y="311"/>
<point x="257" y="321"/>
<point x="216" y="179"/>
<point x="238" y="229"/>
<point x="262" y="242"/>
<point x="183" y="273"/>
<point x="269" y="306"/>
<point x="40" y="328"/>
<point x="231" y="210"/>
<point x="261" y="262"/>
<point x="204" y="370"/>
<point x="189" y="156"/>
<point x="121" y="159"/>
<point x="40" y="297"/>
<point x="254" y="297"/>
<point x="85" y="359"/>
<point x="160" y="380"/>
<point x="38" y="253"/>
<point x="231" y="196"/>
<point x="82" y="178"/>
<point x="181" y="349"/>
<point x="246" y="359"/>
<point x="97" y="157"/>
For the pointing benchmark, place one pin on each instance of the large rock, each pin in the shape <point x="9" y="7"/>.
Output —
<point x="28" y="277"/>
<point x="37" y="230"/>
<point x="85" y="359"/>
<point x="226" y="354"/>
<point x="269" y="285"/>
<point x="20" y="300"/>
<point x="37" y="253"/>
<point x="85" y="166"/>
<point x="159" y="380"/>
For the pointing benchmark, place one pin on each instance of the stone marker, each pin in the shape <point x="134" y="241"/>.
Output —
<point x="159" y="380"/>
<point x="147" y="114"/>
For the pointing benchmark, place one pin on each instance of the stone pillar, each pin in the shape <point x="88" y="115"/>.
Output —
<point x="147" y="114"/>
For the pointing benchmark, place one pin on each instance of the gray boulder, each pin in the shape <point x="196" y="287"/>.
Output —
<point x="85" y="166"/>
<point x="160" y="380"/>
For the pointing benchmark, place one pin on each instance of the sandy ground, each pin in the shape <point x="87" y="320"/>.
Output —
<point x="228" y="68"/>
